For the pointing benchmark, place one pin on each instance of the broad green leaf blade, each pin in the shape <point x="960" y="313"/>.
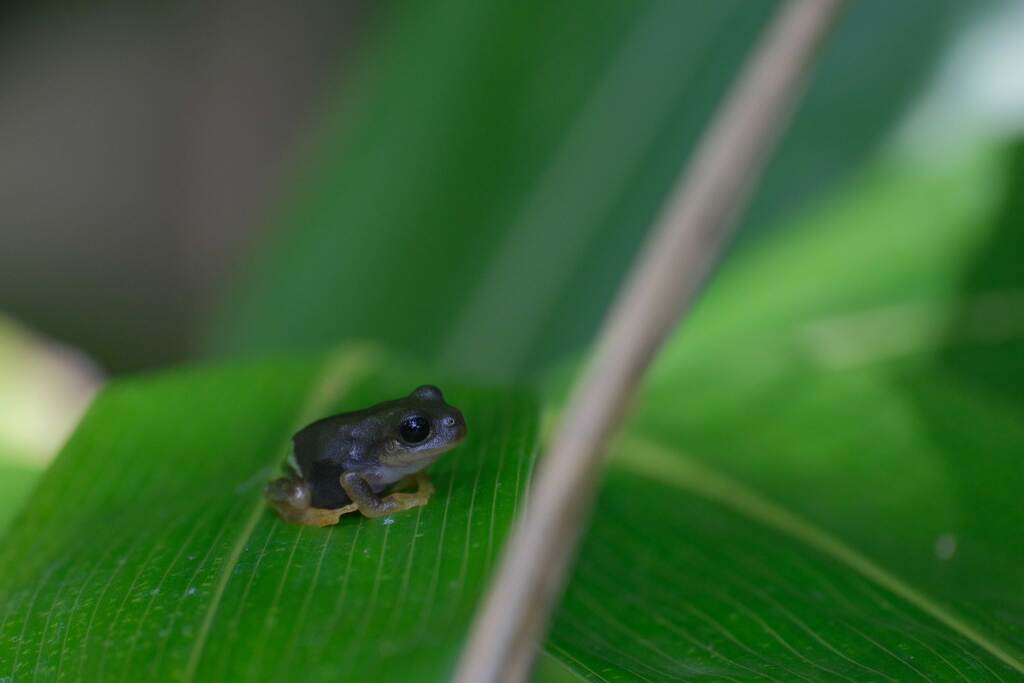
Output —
<point x="16" y="482"/>
<point x="485" y="140"/>
<point x="744" y="591"/>
<point x="148" y="554"/>
<point x="822" y="477"/>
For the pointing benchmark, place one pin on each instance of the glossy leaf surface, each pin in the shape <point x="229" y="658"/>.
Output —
<point x="481" y="141"/>
<point x="148" y="553"/>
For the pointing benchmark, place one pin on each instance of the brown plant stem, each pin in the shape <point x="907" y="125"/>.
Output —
<point x="691" y="230"/>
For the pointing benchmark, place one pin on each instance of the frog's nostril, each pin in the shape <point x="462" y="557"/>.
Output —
<point x="449" y="421"/>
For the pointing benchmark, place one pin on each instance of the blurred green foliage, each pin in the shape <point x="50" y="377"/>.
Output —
<point x="821" y="476"/>
<point x="16" y="482"/>
<point x="805" y="490"/>
<point x="479" y="192"/>
<point x="43" y="391"/>
<point x="862" y="411"/>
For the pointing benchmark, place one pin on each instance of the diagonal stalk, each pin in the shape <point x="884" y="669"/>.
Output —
<point x="694" y="225"/>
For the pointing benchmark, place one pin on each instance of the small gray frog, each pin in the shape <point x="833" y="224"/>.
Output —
<point x="354" y="461"/>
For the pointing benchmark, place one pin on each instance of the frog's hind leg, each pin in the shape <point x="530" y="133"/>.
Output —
<point x="290" y="496"/>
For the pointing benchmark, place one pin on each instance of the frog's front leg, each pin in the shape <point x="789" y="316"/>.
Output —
<point x="290" y="496"/>
<point x="373" y="505"/>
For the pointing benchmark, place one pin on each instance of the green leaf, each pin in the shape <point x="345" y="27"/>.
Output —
<point x="820" y="486"/>
<point x="482" y="140"/>
<point x="147" y="552"/>
<point x="16" y="482"/>
<point x="822" y="478"/>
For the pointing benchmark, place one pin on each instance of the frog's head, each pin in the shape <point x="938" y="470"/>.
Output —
<point x="424" y="427"/>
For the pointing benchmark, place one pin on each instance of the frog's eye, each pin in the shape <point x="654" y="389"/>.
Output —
<point x="414" y="429"/>
<point x="428" y="392"/>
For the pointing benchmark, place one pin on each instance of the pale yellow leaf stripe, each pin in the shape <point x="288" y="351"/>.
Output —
<point x="642" y="456"/>
<point x="338" y="373"/>
<point x="886" y="333"/>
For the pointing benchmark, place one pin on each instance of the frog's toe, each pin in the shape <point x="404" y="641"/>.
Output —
<point x="411" y="499"/>
<point x="323" y="517"/>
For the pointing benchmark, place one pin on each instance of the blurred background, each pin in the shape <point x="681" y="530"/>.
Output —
<point x="466" y="181"/>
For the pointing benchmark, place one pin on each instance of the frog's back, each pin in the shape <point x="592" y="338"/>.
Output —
<point x="320" y="450"/>
<point x="322" y="440"/>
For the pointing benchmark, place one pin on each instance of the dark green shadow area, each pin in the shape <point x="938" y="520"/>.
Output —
<point x="977" y="378"/>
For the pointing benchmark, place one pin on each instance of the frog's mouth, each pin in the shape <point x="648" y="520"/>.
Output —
<point x="417" y="460"/>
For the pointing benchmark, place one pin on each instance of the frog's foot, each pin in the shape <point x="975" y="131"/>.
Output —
<point x="372" y="506"/>
<point x="424" y="490"/>
<point x="290" y="497"/>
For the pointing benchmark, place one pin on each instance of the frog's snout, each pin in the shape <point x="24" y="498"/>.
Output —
<point x="457" y="424"/>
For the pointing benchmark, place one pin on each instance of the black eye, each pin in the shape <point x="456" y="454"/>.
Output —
<point x="414" y="429"/>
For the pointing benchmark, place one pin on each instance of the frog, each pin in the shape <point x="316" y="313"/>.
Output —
<point x="363" y="460"/>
